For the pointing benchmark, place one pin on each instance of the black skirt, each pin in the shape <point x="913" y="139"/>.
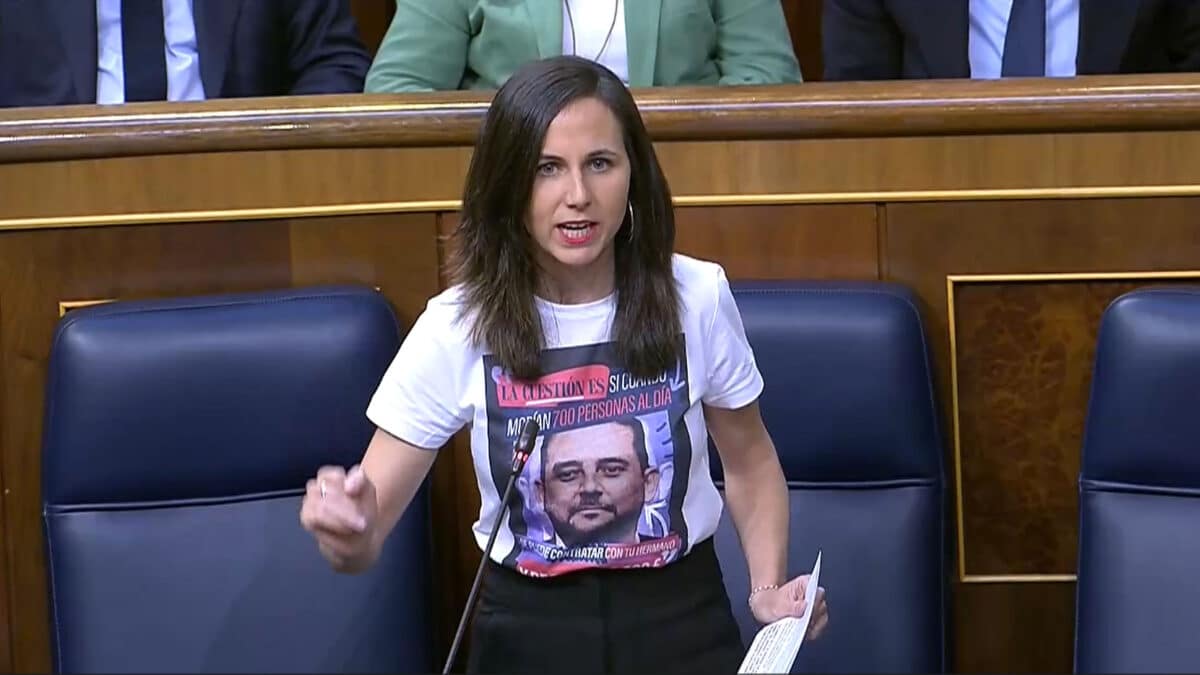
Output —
<point x="662" y="620"/>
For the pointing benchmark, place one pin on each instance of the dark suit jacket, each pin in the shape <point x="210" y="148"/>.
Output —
<point x="48" y="49"/>
<point x="927" y="39"/>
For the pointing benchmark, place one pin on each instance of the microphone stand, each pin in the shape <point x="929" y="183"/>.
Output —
<point x="524" y="447"/>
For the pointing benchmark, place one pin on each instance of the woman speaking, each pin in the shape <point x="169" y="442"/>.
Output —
<point x="570" y="307"/>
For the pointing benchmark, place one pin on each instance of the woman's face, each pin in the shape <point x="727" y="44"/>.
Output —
<point x="580" y="191"/>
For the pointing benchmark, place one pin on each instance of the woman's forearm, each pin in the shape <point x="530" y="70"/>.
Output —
<point x="756" y="496"/>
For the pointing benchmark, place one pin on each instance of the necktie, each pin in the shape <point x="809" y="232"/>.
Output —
<point x="143" y="46"/>
<point x="1025" y="40"/>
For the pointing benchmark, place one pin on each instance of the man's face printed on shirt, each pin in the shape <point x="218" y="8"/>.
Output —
<point x="595" y="481"/>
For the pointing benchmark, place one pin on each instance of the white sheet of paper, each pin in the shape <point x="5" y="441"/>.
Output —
<point x="775" y="646"/>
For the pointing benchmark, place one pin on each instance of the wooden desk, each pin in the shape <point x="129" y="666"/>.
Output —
<point x="1016" y="210"/>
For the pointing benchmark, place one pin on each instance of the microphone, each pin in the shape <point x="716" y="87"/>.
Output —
<point x="521" y="451"/>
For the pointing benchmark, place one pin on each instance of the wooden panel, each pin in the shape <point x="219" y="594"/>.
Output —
<point x="826" y="169"/>
<point x="379" y="179"/>
<point x="815" y="110"/>
<point x="1024" y="361"/>
<point x="1024" y="353"/>
<point x="783" y="242"/>
<point x="151" y="185"/>
<point x="6" y="607"/>
<point x="994" y="624"/>
<point x="398" y="253"/>
<point x="926" y="242"/>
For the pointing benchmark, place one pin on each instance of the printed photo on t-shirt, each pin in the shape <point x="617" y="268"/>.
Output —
<point x="600" y="488"/>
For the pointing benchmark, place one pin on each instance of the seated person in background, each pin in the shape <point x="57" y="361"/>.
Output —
<point x="477" y="44"/>
<point x="61" y="52"/>
<point x="982" y="39"/>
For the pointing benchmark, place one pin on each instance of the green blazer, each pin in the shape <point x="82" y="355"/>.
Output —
<point x="478" y="44"/>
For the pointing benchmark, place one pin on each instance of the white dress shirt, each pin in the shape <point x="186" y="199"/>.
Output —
<point x="592" y="19"/>
<point x="989" y="25"/>
<point x="181" y="53"/>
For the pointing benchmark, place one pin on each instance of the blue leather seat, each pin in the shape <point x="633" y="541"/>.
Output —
<point x="850" y="406"/>
<point x="178" y="438"/>
<point x="1138" y="602"/>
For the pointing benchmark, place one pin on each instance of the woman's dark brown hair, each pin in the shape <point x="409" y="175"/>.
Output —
<point x="492" y="253"/>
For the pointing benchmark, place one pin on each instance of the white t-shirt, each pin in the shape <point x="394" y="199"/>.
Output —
<point x="620" y="474"/>
<point x="591" y="20"/>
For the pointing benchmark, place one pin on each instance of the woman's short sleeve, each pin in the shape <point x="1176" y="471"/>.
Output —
<point x="421" y="398"/>
<point x="733" y="377"/>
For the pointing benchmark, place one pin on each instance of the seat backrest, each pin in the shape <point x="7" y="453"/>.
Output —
<point x="1138" y="600"/>
<point x="849" y="403"/>
<point x="178" y="438"/>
